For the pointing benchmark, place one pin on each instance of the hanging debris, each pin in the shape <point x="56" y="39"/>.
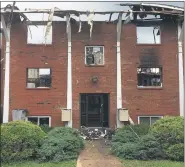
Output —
<point x="80" y="25"/>
<point x="90" y="21"/>
<point x="49" y="24"/>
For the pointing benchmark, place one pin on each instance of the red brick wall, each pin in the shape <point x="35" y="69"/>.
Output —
<point x="163" y="101"/>
<point x="24" y="56"/>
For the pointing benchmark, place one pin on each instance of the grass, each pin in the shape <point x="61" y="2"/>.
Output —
<point x="71" y="163"/>
<point x="136" y="163"/>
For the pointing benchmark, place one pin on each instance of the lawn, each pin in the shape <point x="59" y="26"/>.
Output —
<point x="135" y="163"/>
<point x="35" y="164"/>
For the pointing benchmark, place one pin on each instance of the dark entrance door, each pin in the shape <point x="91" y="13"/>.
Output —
<point x="94" y="110"/>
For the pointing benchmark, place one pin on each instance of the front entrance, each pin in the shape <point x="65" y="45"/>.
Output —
<point x="94" y="110"/>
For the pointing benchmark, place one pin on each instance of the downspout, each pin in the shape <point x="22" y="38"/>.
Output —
<point x="119" y="84"/>
<point x="181" y="76"/>
<point x="69" y="72"/>
<point x="6" y="101"/>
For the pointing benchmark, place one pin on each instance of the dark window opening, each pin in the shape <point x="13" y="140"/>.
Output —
<point x="39" y="120"/>
<point x="149" y="76"/>
<point x="148" y="120"/>
<point x="94" y="55"/>
<point x="38" y="77"/>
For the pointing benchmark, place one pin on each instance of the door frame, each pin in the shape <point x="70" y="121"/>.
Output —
<point x="108" y="105"/>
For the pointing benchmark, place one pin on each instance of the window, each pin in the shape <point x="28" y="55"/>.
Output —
<point x="40" y="120"/>
<point x="149" y="77"/>
<point x="94" y="55"/>
<point x="36" y="35"/>
<point x="38" y="77"/>
<point x="148" y="35"/>
<point x="149" y="120"/>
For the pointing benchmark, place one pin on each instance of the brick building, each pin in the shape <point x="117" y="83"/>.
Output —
<point x="148" y="85"/>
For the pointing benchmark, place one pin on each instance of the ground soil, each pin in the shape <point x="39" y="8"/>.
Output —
<point x="97" y="154"/>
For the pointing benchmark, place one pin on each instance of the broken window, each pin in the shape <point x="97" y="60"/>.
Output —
<point x="149" y="120"/>
<point x="94" y="55"/>
<point x="148" y="35"/>
<point x="38" y="77"/>
<point x="149" y="76"/>
<point x="39" y="120"/>
<point x="36" y="35"/>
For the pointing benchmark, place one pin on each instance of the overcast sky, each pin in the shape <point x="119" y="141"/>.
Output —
<point x="84" y="6"/>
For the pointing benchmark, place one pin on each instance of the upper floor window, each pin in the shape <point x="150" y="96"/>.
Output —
<point x="36" y="35"/>
<point x="94" y="55"/>
<point x="38" y="77"/>
<point x="149" y="76"/>
<point x="148" y="35"/>
<point x="149" y="120"/>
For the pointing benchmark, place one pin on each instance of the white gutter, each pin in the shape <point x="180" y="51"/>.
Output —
<point x="69" y="72"/>
<point x="181" y="75"/>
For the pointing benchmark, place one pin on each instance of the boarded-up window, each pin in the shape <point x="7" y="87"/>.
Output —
<point x="38" y="77"/>
<point x="149" y="77"/>
<point x="94" y="55"/>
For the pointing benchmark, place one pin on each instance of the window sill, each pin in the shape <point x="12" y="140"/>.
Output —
<point x="149" y="87"/>
<point x="140" y="44"/>
<point x="44" y="88"/>
<point x="94" y="65"/>
<point x="32" y="44"/>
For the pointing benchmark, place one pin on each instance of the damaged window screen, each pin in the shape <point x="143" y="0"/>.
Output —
<point x="36" y="35"/>
<point x="94" y="55"/>
<point x="38" y="77"/>
<point x="148" y="35"/>
<point x="149" y="77"/>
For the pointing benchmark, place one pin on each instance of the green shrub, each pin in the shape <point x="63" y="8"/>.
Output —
<point x="20" y="140"/>
<point x="176" y="152"/>
<point x="46" y="128"/>
<point x="124" y="136"/>
<point x="124" y="150"/>
<point x="169" y="131"/>
<point x="140" y="130"/>
<point x="61" y="144"/>
<point x="149" y="148"/>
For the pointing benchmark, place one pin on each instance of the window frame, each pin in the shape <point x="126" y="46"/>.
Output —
<point x="38" y="68"/>
<point x="103" y="55"/>
<point x="37" y="44"/>
<point x="148" y="25"/>
<point x="38" y="122"/>
<point x="149" y="116"/>
<point x="161" y="77"/>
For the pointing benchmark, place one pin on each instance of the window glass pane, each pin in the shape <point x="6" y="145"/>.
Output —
<point x="44" y="121"/>
<point x="148" y="35"/>
<point x="145" y="120"/>
<point x="36" y="35"/>
<point x="149" y="76"/>
<point x="94" y="55"/>
<point x="33" y="120"/>
<point x="40" y="77"/>
<point x="154" y="119"/>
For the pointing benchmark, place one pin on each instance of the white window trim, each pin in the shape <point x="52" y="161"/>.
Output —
<point x="39" y="119"/>
<point x="148" y="43"/>
<point x="150" y="116"/>
<point x="37" y="87"/>
<point x="103" y="55"/>
<point x="155" y="87"/>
